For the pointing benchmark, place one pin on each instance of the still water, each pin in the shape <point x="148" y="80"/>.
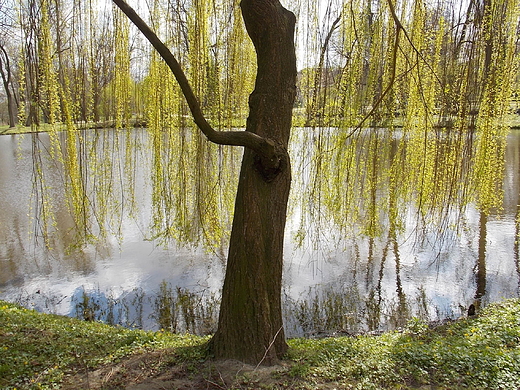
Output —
<point x="352" y="284"/>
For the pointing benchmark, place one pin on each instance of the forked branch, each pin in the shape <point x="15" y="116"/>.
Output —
<point x="264" y="147"/>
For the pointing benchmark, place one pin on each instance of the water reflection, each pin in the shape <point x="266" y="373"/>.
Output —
<point x="334" y="282"/>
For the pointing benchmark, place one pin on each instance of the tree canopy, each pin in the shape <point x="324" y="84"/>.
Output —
<point x="400" y="109"/>
<point x="440" y="76"/>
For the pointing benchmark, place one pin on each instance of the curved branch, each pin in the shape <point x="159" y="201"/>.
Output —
<point x="7" y="78"/>
<point x="264" y="147"/>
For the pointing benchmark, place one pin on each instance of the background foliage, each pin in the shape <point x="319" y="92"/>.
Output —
<point x="401" y="104"/>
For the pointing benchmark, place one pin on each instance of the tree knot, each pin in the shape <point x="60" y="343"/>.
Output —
<point x="271" y="164"/>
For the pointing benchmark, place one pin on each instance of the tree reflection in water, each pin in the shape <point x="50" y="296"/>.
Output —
<point x="366" y="249"/>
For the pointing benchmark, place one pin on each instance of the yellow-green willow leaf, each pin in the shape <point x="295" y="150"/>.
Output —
<point x="436" y="86"/>
<point x="122" y="82"/>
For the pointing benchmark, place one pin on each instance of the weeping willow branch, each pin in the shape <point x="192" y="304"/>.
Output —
<point x="399" y="28"/>
<point x="390" y="85"/>
<point x="319" y="73"/>
<point x="266" y="148"/>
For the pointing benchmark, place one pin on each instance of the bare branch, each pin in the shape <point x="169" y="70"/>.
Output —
<point x="262" y="146"/>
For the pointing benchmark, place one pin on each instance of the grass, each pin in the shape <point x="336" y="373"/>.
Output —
<point x="477" y="353"/>
<point x="39" y="351"/>
<point x="19" y="129"/>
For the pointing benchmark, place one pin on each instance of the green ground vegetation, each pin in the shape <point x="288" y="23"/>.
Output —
<point x="40" y="351"/>
<point x="37" y="350"/>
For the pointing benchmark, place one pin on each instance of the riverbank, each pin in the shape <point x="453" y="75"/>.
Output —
<point x="512" y="119"/>
<point x="41" y="351"/>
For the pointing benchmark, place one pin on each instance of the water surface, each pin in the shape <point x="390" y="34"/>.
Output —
<point x="339" y="284"/>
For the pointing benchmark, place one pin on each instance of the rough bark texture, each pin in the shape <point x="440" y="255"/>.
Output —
<point x="250" y="323"/>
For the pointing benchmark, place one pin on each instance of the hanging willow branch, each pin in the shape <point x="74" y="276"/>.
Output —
<point x="398" y="29"/>
<point x="319" y="72"/>
<point x="263" y="146"/>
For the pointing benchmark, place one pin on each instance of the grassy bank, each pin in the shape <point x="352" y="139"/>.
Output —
<point x="512" y="120"/>
<point x="40" y="351"/>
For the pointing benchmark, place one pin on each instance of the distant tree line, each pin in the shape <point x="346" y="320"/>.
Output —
<point x="80" y="61"/>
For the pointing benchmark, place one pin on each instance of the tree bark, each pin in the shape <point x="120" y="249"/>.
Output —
<point x="250" y="324"/>
<point x="6" y="80"/>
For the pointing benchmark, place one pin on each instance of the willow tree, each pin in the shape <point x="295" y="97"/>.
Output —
<point x="6" y="74"/>
<point x="6" y="68"/>
<point x="250" y="323"/>
<point x="376" y="60"/>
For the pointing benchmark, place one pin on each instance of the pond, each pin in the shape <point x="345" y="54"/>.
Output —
<point x="333" y="283"/>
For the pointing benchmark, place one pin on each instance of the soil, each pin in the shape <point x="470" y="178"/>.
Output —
<point x="151" y="371"/>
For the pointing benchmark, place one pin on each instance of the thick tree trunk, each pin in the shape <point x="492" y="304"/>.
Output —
<point x="250" y="323"/>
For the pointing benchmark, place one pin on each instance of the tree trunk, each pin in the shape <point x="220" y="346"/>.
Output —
<point x="250" y="324"/>
<point x="6" y="80"/>
<point x="11" y="109"/>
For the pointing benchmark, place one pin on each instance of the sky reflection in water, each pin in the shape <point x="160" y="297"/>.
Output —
<point x="353" y="284"/>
